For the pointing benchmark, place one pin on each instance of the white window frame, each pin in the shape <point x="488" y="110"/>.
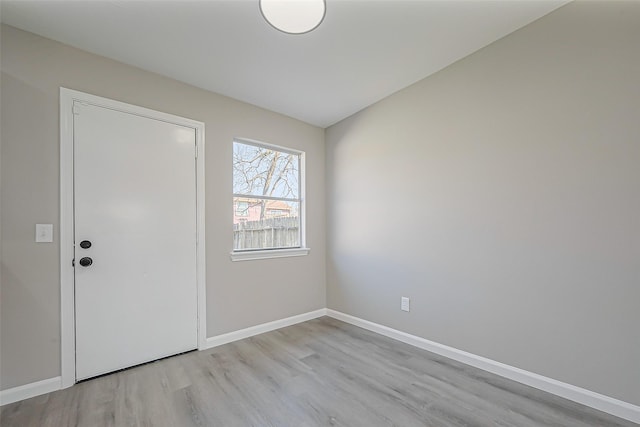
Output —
<point x="254" y="254"/>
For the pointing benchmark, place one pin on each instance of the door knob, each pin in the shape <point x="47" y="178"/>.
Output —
<point x="86" y="261"/>
<point x="85" y="244"/>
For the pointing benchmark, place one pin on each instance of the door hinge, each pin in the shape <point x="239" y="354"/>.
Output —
<point x="73" y="262"/>
<point x="196" y="150"/>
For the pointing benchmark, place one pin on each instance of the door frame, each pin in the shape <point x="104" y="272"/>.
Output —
<point x="67" y="226"/>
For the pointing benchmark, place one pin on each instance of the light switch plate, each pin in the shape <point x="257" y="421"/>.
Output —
<point x="44" y="233"/>
<point x="404" y="304"/>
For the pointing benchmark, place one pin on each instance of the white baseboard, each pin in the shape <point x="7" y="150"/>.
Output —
<point x="30" y="390"/>
<point x="585" y="397"/>
<point x="262" y="328"/>
<point x="52" y="384"/>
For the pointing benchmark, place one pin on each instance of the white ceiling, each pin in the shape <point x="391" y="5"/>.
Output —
<point x="363" y="51"/>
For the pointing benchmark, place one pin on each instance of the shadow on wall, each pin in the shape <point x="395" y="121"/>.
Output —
<point x="30" y="298"/>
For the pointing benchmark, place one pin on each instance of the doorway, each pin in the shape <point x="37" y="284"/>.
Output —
<point x="132" y="235"/>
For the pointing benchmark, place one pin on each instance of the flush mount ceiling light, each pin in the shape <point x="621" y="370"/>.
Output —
<point x="293" y="16"/>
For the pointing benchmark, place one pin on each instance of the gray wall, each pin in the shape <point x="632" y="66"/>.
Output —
<point x="502" y="195"/>
<point x="239" y="294"/>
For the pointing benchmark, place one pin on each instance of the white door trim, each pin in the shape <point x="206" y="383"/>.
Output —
<point x="67" y="303"/>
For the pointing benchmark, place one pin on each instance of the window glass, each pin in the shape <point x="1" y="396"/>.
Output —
<point x="267" y="199"/>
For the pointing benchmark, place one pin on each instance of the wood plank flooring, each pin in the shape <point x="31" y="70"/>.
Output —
<point x="319" y="373"/>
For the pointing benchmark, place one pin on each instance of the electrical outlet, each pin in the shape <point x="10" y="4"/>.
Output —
<point x="404" y="304"/>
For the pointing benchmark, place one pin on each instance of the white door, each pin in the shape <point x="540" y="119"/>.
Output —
<point x="135" y="202"/>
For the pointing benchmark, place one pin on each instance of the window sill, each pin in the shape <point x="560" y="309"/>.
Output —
<point x="270" y="253"/>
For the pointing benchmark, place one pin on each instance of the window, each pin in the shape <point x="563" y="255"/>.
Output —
<point x="242" y="208"/>
<point x="267" y="201"/>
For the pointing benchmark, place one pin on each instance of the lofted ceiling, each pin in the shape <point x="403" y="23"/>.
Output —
<point x="363" y="51"/>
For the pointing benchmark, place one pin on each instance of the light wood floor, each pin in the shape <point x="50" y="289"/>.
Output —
<point x="318" y="373"/>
